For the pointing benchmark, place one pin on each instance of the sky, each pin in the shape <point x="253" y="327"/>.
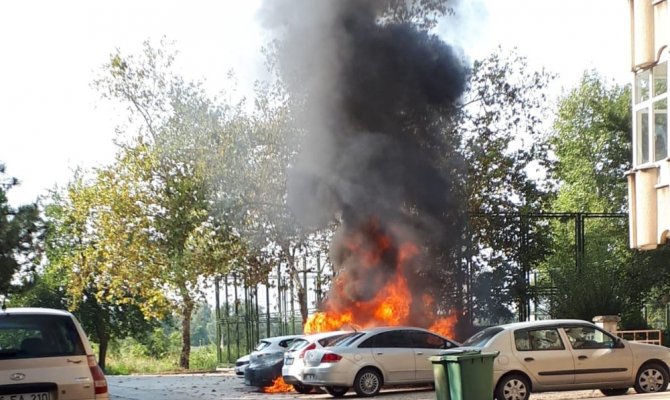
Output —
<point x="52" y="121"/>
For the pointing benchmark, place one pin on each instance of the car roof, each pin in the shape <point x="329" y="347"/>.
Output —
<point x="279" y="338"/>
<point x="544" y="323"/>
<point x="394" y="328"/>
<point x="34" y="311"/>
<point x="321" y="335"/>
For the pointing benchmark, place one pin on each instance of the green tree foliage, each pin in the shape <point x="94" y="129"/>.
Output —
<point x="425" y="14"/>
<point x="591" y="141"/>
<point x="21" y="234"/>
<point x="93" y="275"/>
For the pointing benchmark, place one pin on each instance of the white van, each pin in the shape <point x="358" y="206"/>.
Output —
<point x="45" y="355"/>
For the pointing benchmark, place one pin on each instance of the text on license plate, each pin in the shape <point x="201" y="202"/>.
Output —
<point x="309" y="377"/>
<point x="288" y="361"/>
<point x="26" y="396"/>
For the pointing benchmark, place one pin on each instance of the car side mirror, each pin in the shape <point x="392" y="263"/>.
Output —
<point x="618" y="344"/>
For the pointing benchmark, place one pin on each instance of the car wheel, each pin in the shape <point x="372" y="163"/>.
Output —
<point x="651" y="378"/>
<point x="368" y="382"/>
<point x="336" y="391"/>
<point x="302" y="389"/>
<point x="513" y="387"/>
<point x="614" y="392"/>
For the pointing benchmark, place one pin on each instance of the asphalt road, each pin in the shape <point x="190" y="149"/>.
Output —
<point x="226" y="385"/>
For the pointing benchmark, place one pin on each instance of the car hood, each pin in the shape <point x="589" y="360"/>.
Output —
<point x="646" y="350"/>
<point x="244" y="358"/>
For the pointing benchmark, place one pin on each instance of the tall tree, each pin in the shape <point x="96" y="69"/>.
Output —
<point x="183" y="132"/>
<point x="21" y="236"/>
<point x="592" y="144"/>
<point x="506" y="153"/>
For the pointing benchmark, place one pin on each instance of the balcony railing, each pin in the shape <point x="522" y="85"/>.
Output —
<point x="642" y="336"/>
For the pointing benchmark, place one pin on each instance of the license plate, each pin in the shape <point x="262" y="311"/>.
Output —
<point x="309" y="377"/>
<point x="26" y="396"/>
<point x="288" y="361"/>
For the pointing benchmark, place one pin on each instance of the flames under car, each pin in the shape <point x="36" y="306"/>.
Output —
<point x="265" y="363"/>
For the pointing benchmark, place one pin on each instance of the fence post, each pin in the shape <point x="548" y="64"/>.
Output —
<point x="217" y="315"/>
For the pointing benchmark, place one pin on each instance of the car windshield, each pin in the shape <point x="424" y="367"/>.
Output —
<point x="261" y="345"/>
<point x="481" y="338"/>
<point x="30" y="336"/>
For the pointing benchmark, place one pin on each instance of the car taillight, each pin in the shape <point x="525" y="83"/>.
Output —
<point x="330" y="357"/>
<point x="306" y="349"/>
<point x="99" y="381"/>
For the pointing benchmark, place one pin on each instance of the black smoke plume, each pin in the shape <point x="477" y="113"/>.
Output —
<point x="375" y="104"/>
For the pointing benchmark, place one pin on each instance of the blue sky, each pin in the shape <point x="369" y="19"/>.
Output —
<point x="52" y="121"/>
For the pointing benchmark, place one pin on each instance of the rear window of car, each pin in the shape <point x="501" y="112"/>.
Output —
<point x="346" y="341"/>
<point x="331" y="340"/>
<point x="261" y="345"/>
<point x="38" y="335"/>
<point x="481" y="338"/>
<point x="298" y="344"/>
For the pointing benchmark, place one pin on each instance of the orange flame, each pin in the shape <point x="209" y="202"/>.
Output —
<point x="278" y="386"/>
<point x="323" y="322"/>
<point x="393" y="304"/>
<point x="445" y="326"/>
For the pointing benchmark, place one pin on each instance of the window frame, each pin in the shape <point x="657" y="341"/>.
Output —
<point x="528" y="332"/>
<point x="647" y="107"/>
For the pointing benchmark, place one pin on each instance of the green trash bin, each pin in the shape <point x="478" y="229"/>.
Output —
<point x="463" y="374"/>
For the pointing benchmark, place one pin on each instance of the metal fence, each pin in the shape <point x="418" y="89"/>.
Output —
<point x="246" y="313"/>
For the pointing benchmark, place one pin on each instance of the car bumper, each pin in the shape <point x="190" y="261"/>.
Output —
<point x="262" y="376"/>
<point x="239" y="369"/>
<point x="331" y="375"/>
<point x="293" y="373"/>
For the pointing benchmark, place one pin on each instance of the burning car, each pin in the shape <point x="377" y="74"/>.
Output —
<point x="294" y="359"/>
<point x="266" y="361"/>
<point x="374" y="358"/>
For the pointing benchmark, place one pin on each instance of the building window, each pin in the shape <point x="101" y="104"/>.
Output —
<point x="651" y="114"/>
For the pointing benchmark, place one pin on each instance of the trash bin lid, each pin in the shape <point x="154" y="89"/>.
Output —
<point x="463" y="353"/>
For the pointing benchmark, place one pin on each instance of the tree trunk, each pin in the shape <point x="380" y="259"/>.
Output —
<point x="300" y="289"/>
<point x="302" y="300"/>
<point x="187" y="310"/>
<point x="102" y="331"/>
<point x="102" y="351"/>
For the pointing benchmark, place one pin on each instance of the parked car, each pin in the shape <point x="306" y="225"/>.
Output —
<point x="45" y="355"/>
<point x="241" y="364"/>
<point x="266" y="361"/>
<point x="375" y="358"/>
<point x="556" y="355"/>
<point x="294" y="358"/>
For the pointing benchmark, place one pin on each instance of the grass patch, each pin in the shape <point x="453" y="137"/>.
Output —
<point x="128" y="356"/>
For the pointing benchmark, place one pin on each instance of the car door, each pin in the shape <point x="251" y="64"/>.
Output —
<point x="545" y="356"/>
<point x="596" y="357"/>
<point x="426" y="345"/>
<point x="393" y="353"/>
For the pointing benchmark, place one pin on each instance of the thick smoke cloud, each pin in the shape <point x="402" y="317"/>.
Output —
<point x="371" y="95"/>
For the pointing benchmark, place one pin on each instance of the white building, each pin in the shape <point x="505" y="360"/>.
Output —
<point x="649" y="180"/>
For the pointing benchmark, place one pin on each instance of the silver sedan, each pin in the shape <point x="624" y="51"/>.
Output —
<point x="374" y="358"/>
